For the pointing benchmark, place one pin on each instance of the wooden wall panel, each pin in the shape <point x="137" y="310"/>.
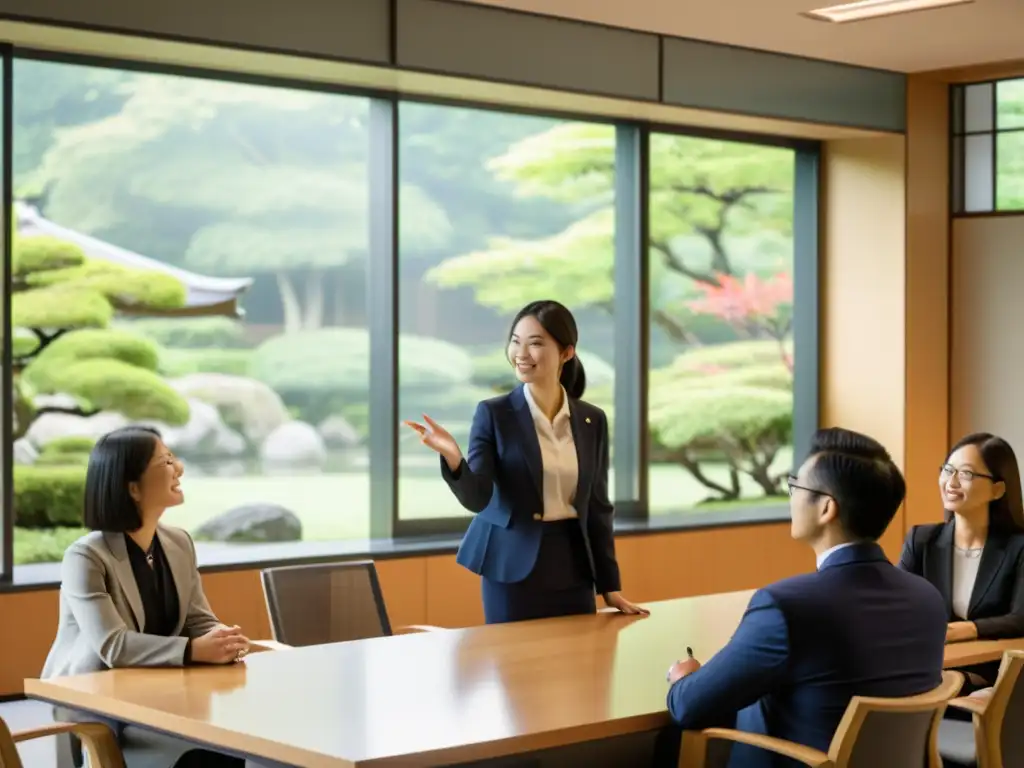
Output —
<point x="404" y="584"/>
<point x="927" y="296"/>
<point x="453" y="594"/>
<point x="28" y="623"/>
<point x="863" y="295"/>
<point x="711" y="560"/>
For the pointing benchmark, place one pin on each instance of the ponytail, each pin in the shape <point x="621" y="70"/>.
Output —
<point x="573" y="378"/>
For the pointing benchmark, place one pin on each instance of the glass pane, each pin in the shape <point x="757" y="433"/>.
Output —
<point x="978" y="107"/>
<point x="978" y="173"/>
<point x="1010" y="104"/>
<point x="721" y="349"/>
<point x="498" y="210"/>
<point x="183" y="200"/>
<point x="1010" y="171"/>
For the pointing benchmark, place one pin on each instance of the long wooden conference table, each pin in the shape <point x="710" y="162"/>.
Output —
<point x="453" y="697"/>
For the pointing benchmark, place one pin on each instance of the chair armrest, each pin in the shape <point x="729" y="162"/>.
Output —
<point x="976" y="705"/>
<point x="259" y="646"/>
<point x="411" y="629"/>
<point x="806" y="755"/>
<point x="97" y="740"/>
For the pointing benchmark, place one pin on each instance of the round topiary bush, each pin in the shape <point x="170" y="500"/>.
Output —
<point x="48" y="496"/>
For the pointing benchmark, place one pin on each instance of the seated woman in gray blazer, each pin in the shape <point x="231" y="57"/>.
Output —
<point x="131" y="594"/>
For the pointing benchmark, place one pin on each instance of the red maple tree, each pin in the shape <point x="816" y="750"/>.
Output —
<point x="751" y="305"/>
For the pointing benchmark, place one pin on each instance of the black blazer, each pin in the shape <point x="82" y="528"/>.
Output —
<point x="997" y="602"/>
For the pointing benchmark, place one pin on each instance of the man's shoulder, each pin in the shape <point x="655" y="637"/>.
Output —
<point x="821" y="588"/>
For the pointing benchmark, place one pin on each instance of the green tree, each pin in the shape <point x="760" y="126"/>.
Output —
<point x="233" y="179"/>
<point x="708" y="198"/>
<point x="50" y="97"/>
<point x="62" y="306"/>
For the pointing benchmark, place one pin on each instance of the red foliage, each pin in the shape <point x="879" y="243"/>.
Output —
<point x="745" y="300"/>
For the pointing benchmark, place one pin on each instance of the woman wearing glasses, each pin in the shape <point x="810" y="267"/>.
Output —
<point x="976" y="557"/>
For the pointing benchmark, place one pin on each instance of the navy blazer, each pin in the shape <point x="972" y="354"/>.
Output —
<point x="808" y="644"/>
<point x="997" y="601"/>
<point x="501" y="480"/>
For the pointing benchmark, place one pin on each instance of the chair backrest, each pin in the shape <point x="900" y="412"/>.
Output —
<point x="328" y="603"/>
<point x="8" y="752"/>
<point x="895" y="733"/>
<point x="1000" y="739"/>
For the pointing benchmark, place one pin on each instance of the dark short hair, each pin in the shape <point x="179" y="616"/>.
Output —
<point x="859" y="474"/>
<point x="118" y="459"/>
<point x="558" y="321"/>
<point x="1005" y="514"/>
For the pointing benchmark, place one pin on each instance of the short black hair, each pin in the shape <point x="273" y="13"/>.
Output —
<point x="1005" y="514"/>
<point x="118" y="459"/>
<point x="861" y="476"/>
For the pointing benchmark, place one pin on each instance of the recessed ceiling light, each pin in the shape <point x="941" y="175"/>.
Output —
<point x="869" y="9"/>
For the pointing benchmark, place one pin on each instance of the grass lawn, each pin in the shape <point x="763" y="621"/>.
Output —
<point x="336" y="506"/>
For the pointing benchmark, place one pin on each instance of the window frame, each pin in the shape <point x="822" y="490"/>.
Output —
<point x="959" y="164"/>
<point x="631" y="326"/>
<point x="6" y="344"/>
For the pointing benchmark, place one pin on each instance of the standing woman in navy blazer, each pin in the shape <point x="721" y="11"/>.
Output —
<point x="536" y="476"/>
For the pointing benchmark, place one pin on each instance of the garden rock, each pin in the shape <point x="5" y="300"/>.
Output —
<point x="51" y="426"/>
<point x="338" y="433"/>
<point x="252" y="523"/>
<point x="249" y="404"/>
<point x="205" y="434"/>
<point x="295" y="444"/>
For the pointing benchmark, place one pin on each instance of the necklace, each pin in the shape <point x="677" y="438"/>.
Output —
<point x="973" y="552"/>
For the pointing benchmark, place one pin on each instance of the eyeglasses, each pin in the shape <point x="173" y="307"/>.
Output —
<point x="793" y="487"/>
<point x="965" y="476"/>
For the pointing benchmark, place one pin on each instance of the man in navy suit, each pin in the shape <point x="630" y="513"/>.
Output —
<point x="857" y="626"/>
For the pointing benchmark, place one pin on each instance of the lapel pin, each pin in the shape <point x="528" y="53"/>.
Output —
<point x="587" y="419"/>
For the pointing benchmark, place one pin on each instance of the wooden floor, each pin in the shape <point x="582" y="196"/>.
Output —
<point x="22" y="715"/>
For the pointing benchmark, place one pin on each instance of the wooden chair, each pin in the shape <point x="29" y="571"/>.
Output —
<point x="326" y="603"/>
<point x="985" y="742"/>
<point x="874" y="732"/>
<point x="97" y="740"/>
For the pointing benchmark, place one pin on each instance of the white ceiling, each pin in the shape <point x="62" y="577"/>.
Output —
<point x="982" y="32"/>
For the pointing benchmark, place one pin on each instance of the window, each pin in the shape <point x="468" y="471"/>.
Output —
<point x="511" y="209"/>
<point x="191" y="254"/>
<point x="988" y="147"/>
<point x="277" y="276"/>
<point x="720" y="285"/>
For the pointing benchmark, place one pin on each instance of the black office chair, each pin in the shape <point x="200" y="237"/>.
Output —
<point x="327" y="603"/>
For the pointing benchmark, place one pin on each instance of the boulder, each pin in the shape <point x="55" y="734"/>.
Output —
<point x="205" y="434"/>
<point x="50" y="426"/>
<point x="294" y="445"/>
<point x="251" y="405"/>
<point x="252" y="523"/>
<point x="338" y="433"/>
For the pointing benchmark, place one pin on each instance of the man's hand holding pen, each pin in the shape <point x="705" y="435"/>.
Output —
<point x="681" y="669"/>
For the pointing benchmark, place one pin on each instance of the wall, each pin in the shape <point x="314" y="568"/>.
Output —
<point x="863" y="350"/>
<point x="987" y="317"/>
<point x="434" y="590"/>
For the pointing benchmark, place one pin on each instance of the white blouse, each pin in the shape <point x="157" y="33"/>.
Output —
<point x="558" y="458"/>
<point x="965" y="573"/>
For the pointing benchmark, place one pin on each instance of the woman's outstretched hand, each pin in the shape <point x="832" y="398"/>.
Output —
<point x="439" y="439"/>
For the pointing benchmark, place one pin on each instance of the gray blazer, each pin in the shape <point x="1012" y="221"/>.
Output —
<point x="101" y="612"/>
